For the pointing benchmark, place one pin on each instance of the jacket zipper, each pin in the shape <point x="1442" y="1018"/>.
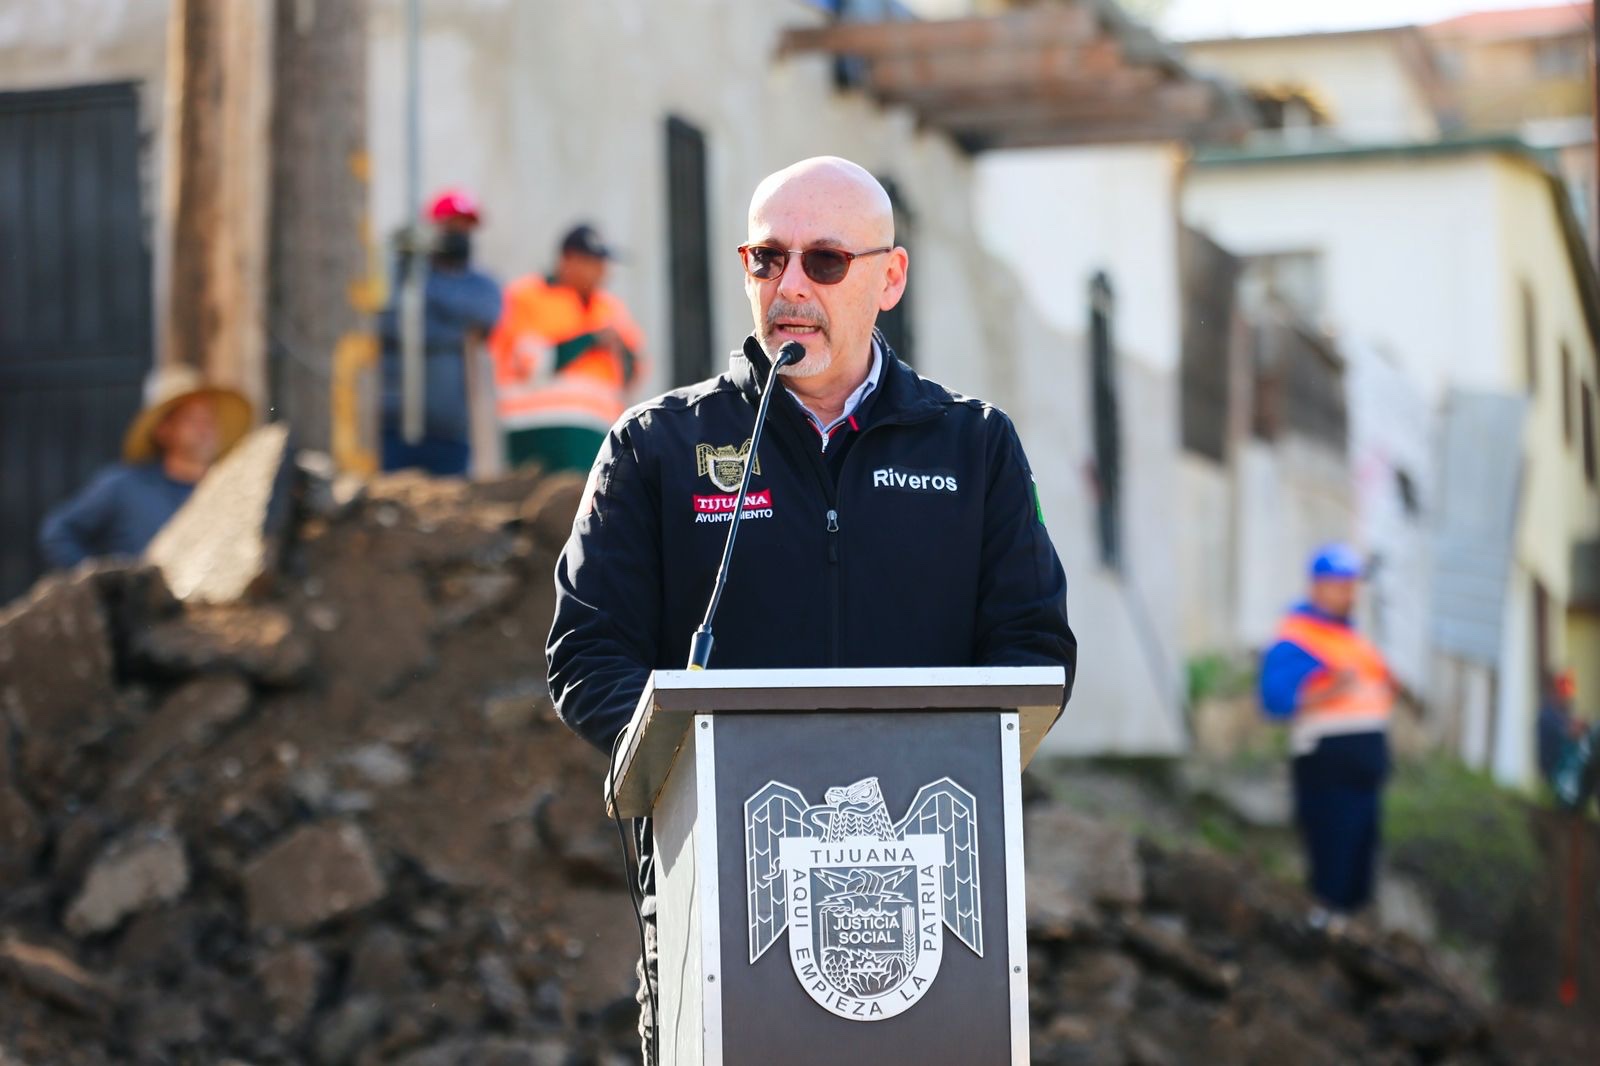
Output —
<point x="830" y="494"/>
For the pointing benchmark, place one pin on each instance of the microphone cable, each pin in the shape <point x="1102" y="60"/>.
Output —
<point x="631" y="873"/>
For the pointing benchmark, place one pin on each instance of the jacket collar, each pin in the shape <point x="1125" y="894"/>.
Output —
<point x="901" y="396"/>
<point x="1307" y="609"/>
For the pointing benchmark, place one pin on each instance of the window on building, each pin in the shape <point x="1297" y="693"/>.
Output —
<point x="1107" y="421"/>
<point x="1561" y="57"/>
<point x="688" y="252"/>
<point x="1530" y="339"/>
<point x="1210" y="277"/>
<point x="896" y="322"/>
<point x="1589" y="458"/>
<point x="1406" y="488"/>
<point x="1291" y="279"/>
<point x="1566" y="393"/>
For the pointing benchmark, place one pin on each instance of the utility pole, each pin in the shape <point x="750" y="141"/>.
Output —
<point x="320" y="301"/>
<point x="214" y="194"/>
<point x="414" y="283"/>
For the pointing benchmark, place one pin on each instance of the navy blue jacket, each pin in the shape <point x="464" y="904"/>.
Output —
<point x="455" y="302"/>
<point x="118" y="513"/>
<point x="930" y="550"/>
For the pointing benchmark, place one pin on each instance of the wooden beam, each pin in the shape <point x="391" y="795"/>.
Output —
<point x="1048" y="23"/>
<point x="906" y="75"/>
<point x="1012" y="93"/>
<point x="1075" y="134"/>
<point x="216" y="192"/>
<point x="1183" y="102"/>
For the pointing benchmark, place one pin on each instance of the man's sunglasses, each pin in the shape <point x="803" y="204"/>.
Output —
<point x="825" y="266"/>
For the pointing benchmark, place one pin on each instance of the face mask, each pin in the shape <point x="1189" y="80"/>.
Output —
<point x="454" y="245"/>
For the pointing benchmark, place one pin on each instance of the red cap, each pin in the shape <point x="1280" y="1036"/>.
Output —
<point x="1566" y="685"/>
<point x="453" y="203"/>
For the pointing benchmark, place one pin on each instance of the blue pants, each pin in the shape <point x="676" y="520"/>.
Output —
<point x="441" y="457"/>
<point x="1337" y="790"/>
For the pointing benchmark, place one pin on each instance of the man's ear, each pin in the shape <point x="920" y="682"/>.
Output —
<point x="894" y="279"/>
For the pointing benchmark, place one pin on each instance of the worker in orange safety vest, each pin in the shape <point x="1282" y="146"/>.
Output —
<point x="566" y="353"/>
<point x="1332" y="687"/>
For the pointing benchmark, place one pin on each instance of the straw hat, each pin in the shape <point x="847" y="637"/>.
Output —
<point x="166" y="388"/>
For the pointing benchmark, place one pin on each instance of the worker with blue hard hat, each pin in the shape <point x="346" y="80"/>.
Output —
<point x="1333" y="689"/>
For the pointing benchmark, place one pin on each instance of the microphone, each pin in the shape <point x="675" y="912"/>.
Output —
<point x="700" y="646"/>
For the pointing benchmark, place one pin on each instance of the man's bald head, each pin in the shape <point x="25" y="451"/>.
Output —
<point x="825" y="203"/>
<point x="827" y="188"/>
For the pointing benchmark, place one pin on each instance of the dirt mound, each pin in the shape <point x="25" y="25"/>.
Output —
<point x="341" y="825"/>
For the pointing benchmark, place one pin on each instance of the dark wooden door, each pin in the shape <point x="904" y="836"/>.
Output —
<point x="75" y="335"/>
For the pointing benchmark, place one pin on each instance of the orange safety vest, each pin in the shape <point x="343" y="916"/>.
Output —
<point x="549" y="368"/>
<point x="1363" y="707"/>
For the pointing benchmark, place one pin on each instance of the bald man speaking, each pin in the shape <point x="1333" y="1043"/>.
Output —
<point x="888" y="521"/>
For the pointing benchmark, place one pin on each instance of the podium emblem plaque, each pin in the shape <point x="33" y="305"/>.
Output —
<point x="865" y="899"/>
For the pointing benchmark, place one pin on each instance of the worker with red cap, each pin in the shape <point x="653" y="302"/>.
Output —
<point x="460" y="307"/>
<point x="1333" y="689"/>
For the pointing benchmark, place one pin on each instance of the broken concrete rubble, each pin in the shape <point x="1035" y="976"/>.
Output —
<point x="224" y="541"/>
<point x="317" y="873"/>
<point x="393" y="853"/>
<point x="58" y="690"/>
<point x="186" y="723"/>
<point x="134" y="873"/>
<point x="290" y="978"/>
<point x="265" y="644"/>
<point x="52" y="976"/>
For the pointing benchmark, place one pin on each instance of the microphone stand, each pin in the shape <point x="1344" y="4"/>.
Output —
<point x="700" y="646"/>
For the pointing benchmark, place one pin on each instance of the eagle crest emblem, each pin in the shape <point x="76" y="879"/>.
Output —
<point x="865" y="899"/>
<point x="724" y="465"/>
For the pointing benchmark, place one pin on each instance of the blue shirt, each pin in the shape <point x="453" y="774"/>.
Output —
<point x="117" y="513"/>
<point x="455" y="303"/>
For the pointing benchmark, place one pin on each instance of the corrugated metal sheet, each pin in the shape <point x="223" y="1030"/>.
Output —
<point x="1480" y="487"/>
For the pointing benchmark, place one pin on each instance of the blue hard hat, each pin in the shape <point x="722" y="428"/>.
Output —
<point x="1337" y="561"/>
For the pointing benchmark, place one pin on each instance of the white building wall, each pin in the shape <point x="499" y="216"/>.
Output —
<point x="556" y="113"/>
<point x="1392" y="432"/>
<point x="1409" y="264"/>
<point x="1056" y="218"/>
<point x="1424" y="258"/>
<point x="1512" y="758"/>
<point x="1559" y="505"/>
<point x="1059" y="216"/>
<point x="1361" y="78"/>
<point x="1294" y="496"/>
<point x="1208" y="557"/>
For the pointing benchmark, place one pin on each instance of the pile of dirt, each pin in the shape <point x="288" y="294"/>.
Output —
<point x="340" y="824"/>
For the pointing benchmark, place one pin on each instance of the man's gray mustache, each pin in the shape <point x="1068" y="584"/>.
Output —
<point x="797" y="314"/>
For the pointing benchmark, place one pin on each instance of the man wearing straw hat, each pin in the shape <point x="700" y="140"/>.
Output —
<point x="185" y="427"/>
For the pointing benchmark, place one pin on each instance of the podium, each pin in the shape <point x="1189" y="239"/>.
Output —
<point x="838" y="855"/>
